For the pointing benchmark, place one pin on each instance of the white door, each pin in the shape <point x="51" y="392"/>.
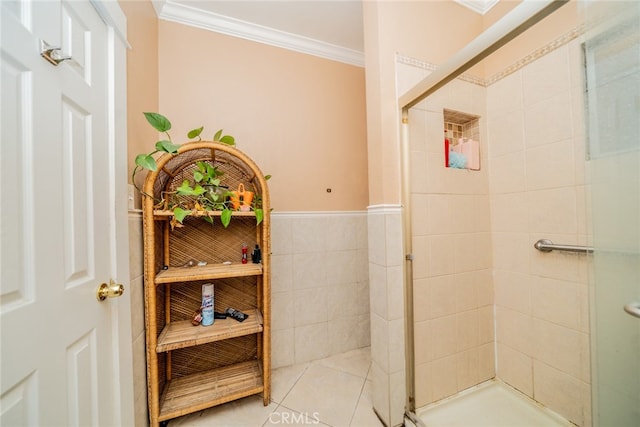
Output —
<point x="65" y="356"/>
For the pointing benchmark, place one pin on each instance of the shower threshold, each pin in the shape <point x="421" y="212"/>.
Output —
<point x="491" y="403"/>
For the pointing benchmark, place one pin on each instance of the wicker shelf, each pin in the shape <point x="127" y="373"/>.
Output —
<point x="207" y="272"/>
<point x="199" y="391"/>
<point x="166" y="214"/>
<point x="191" y="368"/>
<point x="183" y="334"/>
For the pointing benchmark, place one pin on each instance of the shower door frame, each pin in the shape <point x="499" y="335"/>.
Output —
<point x="524" y="16"/>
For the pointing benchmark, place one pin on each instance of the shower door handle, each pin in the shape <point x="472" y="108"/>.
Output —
<point x="633" y="308"/>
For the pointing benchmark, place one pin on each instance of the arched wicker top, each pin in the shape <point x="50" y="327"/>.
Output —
<point x="173" y="169"/>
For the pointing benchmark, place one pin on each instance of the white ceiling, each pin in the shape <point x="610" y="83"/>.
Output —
<point x="328" y="28"/>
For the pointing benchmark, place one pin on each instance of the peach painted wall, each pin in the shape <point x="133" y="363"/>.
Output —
<point x="142" y="78"/>
<point x="412" y="29"/>
<point x="300" y="117"/>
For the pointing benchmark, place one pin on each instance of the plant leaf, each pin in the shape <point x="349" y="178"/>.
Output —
<point x="228" y="139"/>
<point x="146" y="161"/>
<point x="267" y="177"/>
<point x="158" y="121"/>
<point x="197" y="176"/>
<point x="225" y="217"/>
<point x="217" y="136"/>
<point x="198" y="190"/>
<point x="195" y="132"/>
<point x="208" y="219"/>
<point x="167" y="146"/>
<point x="180" y="214"/>
<point x="259" y="215"/>
<point x="185" y="189"/>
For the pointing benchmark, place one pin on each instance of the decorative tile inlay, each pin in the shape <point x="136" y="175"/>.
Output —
<point x="537" y="54"/>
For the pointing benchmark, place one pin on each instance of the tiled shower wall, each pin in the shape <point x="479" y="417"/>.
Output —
<point x="451" y="239"/>
<point x="533" y="150"/>
<point x="538" y="188"/>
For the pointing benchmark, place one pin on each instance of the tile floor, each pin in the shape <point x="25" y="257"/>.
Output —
<point x="334" y="392"/>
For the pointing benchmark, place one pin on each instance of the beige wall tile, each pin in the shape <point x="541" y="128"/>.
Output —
<point x="311" y="342"/>
<point x="380" y="382"/>
<point x="342" y="335"/>
<point x="544" y="78"/>
<point x="466" y="292"/>
<point x="511" y="251"/>
<point x="516" y="369"/>
<point x="395" y="293"/>
<point x="550" y="165"/>
<point x="442" y="296"/>
<point x="484" y="287"/>
<point x="514" y="329"/>
<point x="380" y="342"/>
<point x="378" y="290"/>
<point x="505" y="95"/>
<point x="309" y="270"/>
<point x="486" y="361"/>
<point x="282" y="348"/>
<point x="443" y="336"/>
<point x="559" y="392"/>
<point x="513" y="290"/>
<point x="558" y="347"/>
<point x="422" y="299"/>
<point x="467" y="330"/>
<point x="548" y="120"/>
<point x="281" y="273"/>
<point x="310" y="306"/>
<point x="443" y="373"/>
<point x="508" y="173"/>
<point x="509" y="212"/>
<point x="424" y="387"/>
<point x="556" y="301"/>
<point x="467" y="369"/>
<point x="422" y="335"/>
<point x="282" y="310"/>
<point x="505" y="133"/>
<point x="281" y="235"/>
<point x="486" y="322"/>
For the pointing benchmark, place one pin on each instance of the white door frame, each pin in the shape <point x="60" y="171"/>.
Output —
<point x="115" y="20"/>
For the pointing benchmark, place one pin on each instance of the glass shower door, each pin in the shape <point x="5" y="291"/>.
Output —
<point x="612" y="58"/>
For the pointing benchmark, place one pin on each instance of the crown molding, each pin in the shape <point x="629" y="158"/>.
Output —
<point x="182" y="14"/>
<point x="479" y="6"/>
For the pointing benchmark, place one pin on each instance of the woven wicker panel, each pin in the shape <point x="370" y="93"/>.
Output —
<point x="162" y="370"/>
<point x="192" y="360"/>
<point x="160" y="305"/>
<point x="159" y="249"/>
<point x="181" y="168"/>
<point x="200" y="241"/>
<point x="238" y="293"/>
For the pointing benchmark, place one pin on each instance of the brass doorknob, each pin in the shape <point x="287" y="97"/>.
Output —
<point x="111" y="290"/>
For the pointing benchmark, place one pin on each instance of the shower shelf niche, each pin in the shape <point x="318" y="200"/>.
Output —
<point x="461" y="126"/>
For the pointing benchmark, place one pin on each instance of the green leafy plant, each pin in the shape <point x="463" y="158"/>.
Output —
<point x="206" y="193"/>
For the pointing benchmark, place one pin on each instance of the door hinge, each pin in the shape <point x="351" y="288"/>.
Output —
<point x="408" y="257"/>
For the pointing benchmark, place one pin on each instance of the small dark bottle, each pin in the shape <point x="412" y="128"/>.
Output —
<point x="256" y="256"/>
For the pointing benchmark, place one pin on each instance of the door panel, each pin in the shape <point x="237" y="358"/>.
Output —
<point x="61" y="354"/>
<point x="612" y="57"/>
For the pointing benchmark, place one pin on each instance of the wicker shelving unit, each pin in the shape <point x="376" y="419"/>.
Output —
<point x="190" y="368"/>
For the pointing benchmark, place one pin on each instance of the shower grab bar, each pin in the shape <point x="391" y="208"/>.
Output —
<point x="546" y="245"/>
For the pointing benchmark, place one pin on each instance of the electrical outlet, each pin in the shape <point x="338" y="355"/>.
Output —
<point x="131" y="197"/>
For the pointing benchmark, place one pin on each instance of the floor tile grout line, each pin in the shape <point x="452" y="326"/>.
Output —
<point x="355" y="409"/>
